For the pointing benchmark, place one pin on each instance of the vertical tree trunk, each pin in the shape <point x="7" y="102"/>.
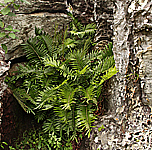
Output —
<point x="3" y="68"/>
<point x="128" y="125"/>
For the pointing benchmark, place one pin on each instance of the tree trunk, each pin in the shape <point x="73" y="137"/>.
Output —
<point x="128" y="125"/>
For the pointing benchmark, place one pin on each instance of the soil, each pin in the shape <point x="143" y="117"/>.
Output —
<point x="14" y="120"/>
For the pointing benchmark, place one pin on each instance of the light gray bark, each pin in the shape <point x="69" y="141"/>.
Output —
<point x="128" y="125"/>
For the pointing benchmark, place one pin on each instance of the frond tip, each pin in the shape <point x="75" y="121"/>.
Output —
<point x="67" y="94"/>
<point x="85" y="117"/>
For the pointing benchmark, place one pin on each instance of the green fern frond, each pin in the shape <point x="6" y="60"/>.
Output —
<point x="27" y="70"/>
<point x="91" y="26"/>
<point x="45" y="100"/>
<point x="22" y="97"/>
<point x="49" y="125"/>
<point x="67" y="93"/>
<point x="111" y="72"/>
<point x="86" y="47"/>
<point x="48" y="97"/>
<point x="49" y="44"/>
<point x="51" y="61"/>
<point x="104" y="65"/>
<point x="66" y="121"/>
<point x="66" y="71"/>
<point x="85" y="117"/>
<point x="107" y="52"/>
<point x="89" y="94"/>
<point x="40" y="115"/>
<point x="78" y="61"/>
<point x="38" y="31"/>
<point x="81" y="30"/>
<point x="62" y="114"/>
<point x="34" y="50"/>
<point x="107" y="63"/>
<point x="69" y="43"/>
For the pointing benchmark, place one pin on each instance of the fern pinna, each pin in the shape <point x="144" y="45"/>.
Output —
<point x="62" y="80"/>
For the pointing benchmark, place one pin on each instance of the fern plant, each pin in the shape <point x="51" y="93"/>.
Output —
<point x="62" y="81"/>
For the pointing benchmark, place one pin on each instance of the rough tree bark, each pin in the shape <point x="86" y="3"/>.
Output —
<point x="129" y="124"/>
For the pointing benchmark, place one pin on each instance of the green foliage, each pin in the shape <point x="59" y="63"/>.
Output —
<point x="62" y="82"/>
<point x="3" y="144"/>
<point x="101" y="128"/>
<point x="9" y="31"/>
<point x="35" y="140"/>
